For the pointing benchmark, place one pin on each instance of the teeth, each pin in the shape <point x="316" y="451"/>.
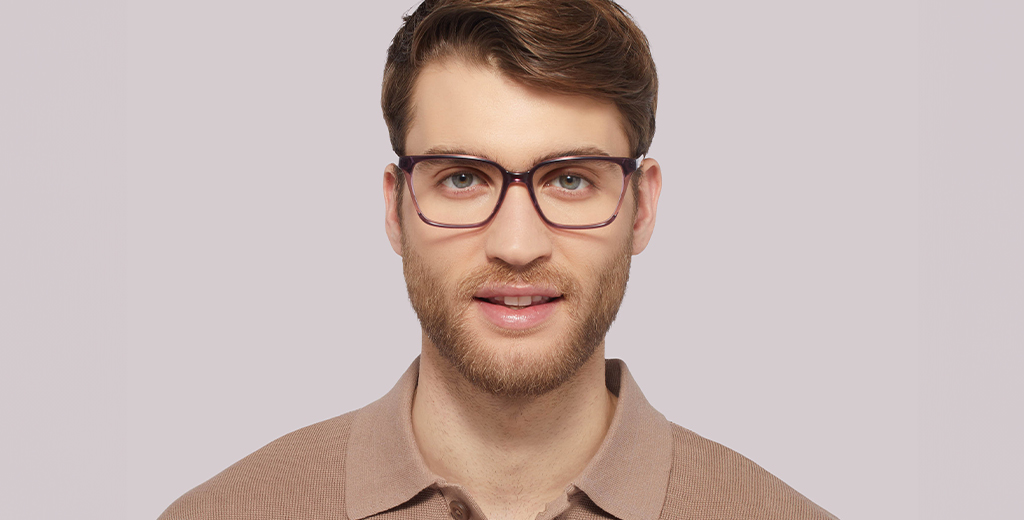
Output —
<point x="519" y="302"/>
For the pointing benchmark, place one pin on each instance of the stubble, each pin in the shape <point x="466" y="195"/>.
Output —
<point x="518" y="368"/>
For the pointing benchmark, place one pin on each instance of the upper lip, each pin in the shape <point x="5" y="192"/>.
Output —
<point x="498" y="291"/>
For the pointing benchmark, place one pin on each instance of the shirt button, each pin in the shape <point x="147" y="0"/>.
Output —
<point x="458" y="510"/>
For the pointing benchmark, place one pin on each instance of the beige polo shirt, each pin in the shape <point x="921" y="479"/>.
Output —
<point x="365" y="464"/>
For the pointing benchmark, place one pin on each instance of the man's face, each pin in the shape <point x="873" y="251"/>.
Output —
<point x="470" y="287"/>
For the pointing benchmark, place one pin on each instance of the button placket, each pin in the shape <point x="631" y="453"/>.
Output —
<point x="459" y="510"/>
<point x="460" y="505"/>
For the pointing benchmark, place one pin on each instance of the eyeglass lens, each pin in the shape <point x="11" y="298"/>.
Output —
<point x="578" y="192"/>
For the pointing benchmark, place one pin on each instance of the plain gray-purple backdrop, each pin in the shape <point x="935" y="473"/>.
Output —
<point x="193" y="261"/>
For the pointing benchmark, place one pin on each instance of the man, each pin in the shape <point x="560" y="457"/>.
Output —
<point x="518" y="198"/>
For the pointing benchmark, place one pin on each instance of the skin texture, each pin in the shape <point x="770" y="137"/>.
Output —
<point x="513" y="415"/>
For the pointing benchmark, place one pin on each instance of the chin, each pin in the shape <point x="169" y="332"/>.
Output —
<point x="517" y="368"/>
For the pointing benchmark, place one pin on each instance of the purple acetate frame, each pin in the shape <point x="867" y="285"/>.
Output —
<point x="629" y="166"/>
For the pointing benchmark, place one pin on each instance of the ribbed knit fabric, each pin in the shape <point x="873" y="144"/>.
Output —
<point x="711" y="482"/>
<point x="646" y="468"/>
<point x="299" y="476"/>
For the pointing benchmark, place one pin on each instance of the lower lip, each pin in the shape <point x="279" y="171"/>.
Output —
<point x="521" y="319"/>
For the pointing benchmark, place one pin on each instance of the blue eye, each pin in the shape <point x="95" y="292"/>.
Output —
<point x="461" y="180"/>
<point x="570" y="182"/>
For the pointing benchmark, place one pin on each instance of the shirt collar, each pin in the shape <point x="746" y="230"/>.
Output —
<point x="383" y="466"/>
<point x="628" y="477"/>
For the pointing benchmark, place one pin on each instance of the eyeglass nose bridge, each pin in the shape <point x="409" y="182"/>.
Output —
<point x="520" y="177"/>
<point x="525" y="179"/>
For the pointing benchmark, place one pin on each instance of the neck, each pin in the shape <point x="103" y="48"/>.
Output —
<point x="514" y="455"/>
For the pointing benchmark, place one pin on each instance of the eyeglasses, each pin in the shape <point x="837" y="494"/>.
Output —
<point x="462" y="191"/>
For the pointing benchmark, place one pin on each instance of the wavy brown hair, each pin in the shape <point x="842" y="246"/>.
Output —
<point x="580" y="47"/>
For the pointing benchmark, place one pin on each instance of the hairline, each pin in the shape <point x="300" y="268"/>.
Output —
<point x="445" y="57"/>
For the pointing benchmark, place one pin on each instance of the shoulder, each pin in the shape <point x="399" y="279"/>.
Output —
<point x="708" y="480"/>
<point x="302" y="475"/>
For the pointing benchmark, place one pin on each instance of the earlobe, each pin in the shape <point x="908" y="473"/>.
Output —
<point x="392" y="220"/>
<point x="647" y="204"/>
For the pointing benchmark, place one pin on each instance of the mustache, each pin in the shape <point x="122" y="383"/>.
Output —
<point x="498" y="272"/>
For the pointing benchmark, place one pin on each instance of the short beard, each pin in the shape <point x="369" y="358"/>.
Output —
<point x="442" y="310"/>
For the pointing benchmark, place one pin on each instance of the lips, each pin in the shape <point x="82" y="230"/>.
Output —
<point x="519" y="302"/>
<point x="517" y="308"/>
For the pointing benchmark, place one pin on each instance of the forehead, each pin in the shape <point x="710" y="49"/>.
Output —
<point x="475" y="109"/>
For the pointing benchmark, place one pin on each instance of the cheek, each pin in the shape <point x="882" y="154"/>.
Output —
<point x="590" y="250"/>
<point x="445" y="253"/>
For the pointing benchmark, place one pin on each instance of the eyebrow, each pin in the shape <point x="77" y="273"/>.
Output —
<point x="581" y="151"/>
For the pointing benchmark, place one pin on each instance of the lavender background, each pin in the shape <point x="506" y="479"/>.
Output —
<point x="193" y="263"/>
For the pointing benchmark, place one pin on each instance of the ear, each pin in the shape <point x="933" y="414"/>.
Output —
<point x="392" y="221"/>
<point x="647" y="204"/>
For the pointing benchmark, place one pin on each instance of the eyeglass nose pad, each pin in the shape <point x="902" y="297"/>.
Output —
<point x="517" y="178"/>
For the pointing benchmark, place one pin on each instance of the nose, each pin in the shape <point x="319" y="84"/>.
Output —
<point x="516" y="234"/>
